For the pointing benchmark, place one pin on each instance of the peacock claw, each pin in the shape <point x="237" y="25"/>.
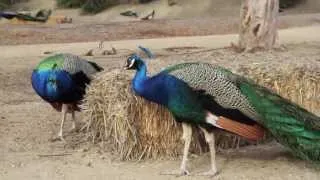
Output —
<point x="209" y="173"/>
<point x="180" y="172"/>
<point x="74" y="129"/>
<point x="58" y="138"/>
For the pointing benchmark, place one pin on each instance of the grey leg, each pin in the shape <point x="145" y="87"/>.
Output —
<point x="187" y="134"/>
<point x="64" y="110"/>
<point x="74" y="125"/>
<point x="210" y="140"/>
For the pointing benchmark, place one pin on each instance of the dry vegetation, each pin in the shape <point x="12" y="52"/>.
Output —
<point x="4" y="4"/>
<point x="94" y="6"/>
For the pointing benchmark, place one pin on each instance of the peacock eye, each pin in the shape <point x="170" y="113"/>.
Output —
<point x="132" y="62"/>
<point x="51" y="80"/>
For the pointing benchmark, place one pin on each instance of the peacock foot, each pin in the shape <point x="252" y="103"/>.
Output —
<point x="74" y="129"/>
<point x="58" y="138"/>
<point x="180" y="172"/>
<point x="209" y="173"/>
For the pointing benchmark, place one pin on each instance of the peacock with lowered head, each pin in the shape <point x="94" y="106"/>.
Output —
<point x="61" y="81"/>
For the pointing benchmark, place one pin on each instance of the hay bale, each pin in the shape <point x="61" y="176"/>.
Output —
<point x="137" y="129"/>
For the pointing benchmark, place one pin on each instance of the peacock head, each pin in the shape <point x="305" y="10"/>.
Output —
<point x="134" y="62"/>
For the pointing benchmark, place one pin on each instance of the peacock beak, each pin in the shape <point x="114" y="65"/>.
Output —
<point x="125" y="67"/>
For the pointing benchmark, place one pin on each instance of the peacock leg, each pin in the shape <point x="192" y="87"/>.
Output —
<point x="210" y="140"/>
<point x="74" y="125"/>
<point x="64" y="110"/>
<point x="187" y="134"/>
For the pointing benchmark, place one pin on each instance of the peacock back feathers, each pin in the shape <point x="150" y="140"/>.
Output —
<point x="69" y="63"/>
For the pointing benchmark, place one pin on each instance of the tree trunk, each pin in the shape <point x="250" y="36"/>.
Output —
<point x="258" y="28"/>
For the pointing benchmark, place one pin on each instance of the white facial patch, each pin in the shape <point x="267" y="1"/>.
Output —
<point x="132" y="62"/>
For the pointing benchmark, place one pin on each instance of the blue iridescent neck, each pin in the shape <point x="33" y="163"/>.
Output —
<point x="140" y="76"/>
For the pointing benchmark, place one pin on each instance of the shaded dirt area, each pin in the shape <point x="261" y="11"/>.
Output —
<point x="27" y="123"/>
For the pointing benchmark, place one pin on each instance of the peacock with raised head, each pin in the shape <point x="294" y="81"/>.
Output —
<point x="61" y="81"/>
<point x="191" y="107"/>
<point x="209" y="96"/>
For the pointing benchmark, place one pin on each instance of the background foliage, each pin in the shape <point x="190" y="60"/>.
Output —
<point x="95" y="6"/>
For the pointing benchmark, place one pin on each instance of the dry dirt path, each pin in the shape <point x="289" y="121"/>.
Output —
<point x="94" y="29"/>
<point x="292" y="35"/>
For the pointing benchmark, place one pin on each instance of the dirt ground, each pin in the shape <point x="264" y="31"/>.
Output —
<point x="27" y="123"/>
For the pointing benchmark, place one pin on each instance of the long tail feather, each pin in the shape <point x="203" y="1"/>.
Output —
<point x="291" y="125"/>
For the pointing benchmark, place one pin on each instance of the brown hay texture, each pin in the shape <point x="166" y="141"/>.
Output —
<point x="135" y="129"/>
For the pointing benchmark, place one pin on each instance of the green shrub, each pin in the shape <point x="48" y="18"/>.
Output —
<point x="95" y="6"/>
<point x="70" y="3"/>
<point x="88" y="6"/>
<point x="4" y="4"/>
<point x="145" y="1"/>
<point x="283" y="4"/>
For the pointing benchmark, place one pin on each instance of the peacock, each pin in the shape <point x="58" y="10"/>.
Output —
<point x="61" y="80"/>
<point x="191" y="103"/>
<point x="41" y="16"/>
